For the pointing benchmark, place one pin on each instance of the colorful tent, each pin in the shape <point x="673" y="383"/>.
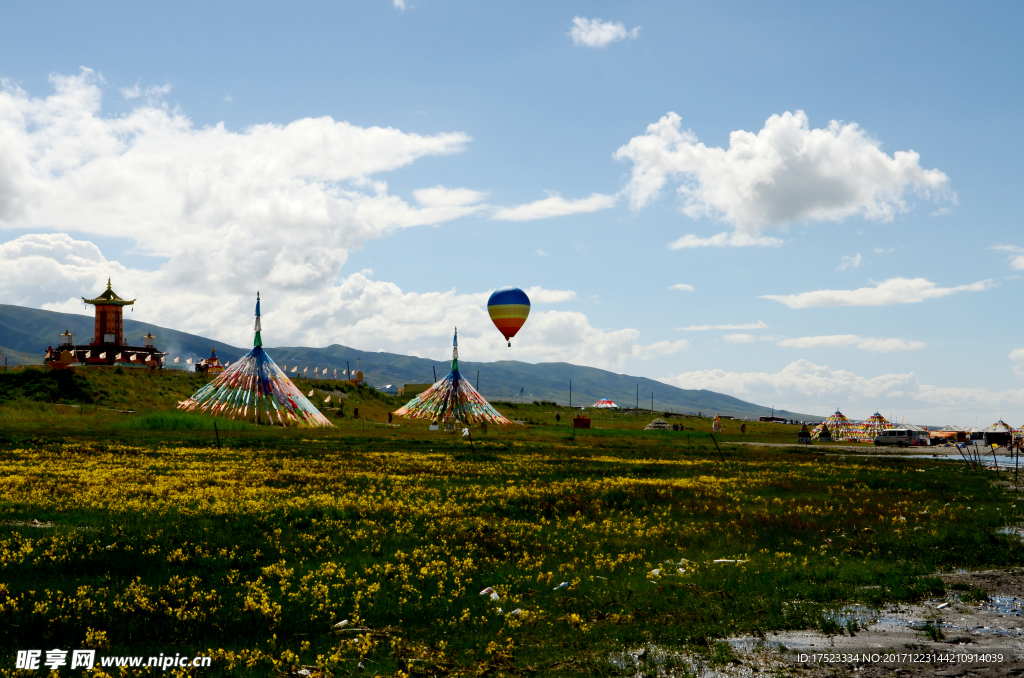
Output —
<point x="256" y="389"/>
<point x="875" y="424"/>
<point x="840" y="427"/>
<point x="452" y="399"/>
<point x="605" y="404"/>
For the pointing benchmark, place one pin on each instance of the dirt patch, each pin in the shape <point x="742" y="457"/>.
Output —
<point x="977" y="629"/>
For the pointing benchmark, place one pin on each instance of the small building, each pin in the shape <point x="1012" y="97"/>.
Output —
<point x="410" y="390"/>
<point x="211" y="365"/>
<point x="579" y="421"/>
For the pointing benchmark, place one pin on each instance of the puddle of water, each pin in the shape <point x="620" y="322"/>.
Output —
<point x="1007" y="605"/>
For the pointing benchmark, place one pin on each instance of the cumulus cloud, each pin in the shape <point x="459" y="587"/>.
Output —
<point x="1016" y="255"/>
<point x="400" y="4"/>
<point x="803" y="386"/>
<point x="683" y="287"/>
<point x="740" y="338"/>
<point x="886" y="293"/>
<point x="872" y="344"/>
<point x="554" y="206"/>
<point x="1017" y="356"/>
<point x="849" y="262"/>
<point x="759" y="325"/>
<point x="539" y="295"/>
<point x="271" y="205"/>
<point x="728" y="239"/>
<point x="787" y="172"/>
<point x="596" y="33"/>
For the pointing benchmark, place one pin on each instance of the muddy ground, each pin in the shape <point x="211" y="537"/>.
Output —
<point x="962" y="634"/>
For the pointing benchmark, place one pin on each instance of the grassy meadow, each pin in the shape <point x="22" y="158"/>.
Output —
<point x="157" y="533"/>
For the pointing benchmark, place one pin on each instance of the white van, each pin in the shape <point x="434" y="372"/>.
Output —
<point x="901" y="438"/>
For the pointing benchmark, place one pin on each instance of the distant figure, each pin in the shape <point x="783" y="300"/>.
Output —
<point x="558" y="417"/>
<point x="743" y="428"/>
<point x="355" y="412"/>
<point x="389" y="417"/>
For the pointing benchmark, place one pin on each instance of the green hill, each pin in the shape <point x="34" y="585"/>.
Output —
<point x="29" y="331"/>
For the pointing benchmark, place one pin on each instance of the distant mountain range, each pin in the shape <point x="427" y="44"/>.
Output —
<point x="28" y="331"/>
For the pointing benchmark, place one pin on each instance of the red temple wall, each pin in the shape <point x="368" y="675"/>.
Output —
<point x="108" y="321"/>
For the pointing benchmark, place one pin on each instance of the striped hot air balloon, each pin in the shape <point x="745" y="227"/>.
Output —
<point x="508" y="308"/>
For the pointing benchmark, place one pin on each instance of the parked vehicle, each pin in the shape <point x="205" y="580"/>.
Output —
<point x="902" y="438"/>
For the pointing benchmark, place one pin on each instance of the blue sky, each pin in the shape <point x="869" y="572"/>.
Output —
<point x="206" y="152"/>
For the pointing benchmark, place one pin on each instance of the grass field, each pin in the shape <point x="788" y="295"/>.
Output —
<point x="157" y="534"/>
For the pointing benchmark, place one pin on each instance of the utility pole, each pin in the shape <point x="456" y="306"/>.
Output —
<point x="638" y="396"/>
<point x="478" y="389"/>
<point x="652" y="401"/>
<point x="435" y="373"/>
<point x="570" y="394"/>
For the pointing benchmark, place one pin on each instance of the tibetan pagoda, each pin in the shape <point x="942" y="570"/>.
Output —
<point x="108" y="346"/>
<point x="211" y="365"/>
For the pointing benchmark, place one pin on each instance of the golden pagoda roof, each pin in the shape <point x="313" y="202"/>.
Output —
<point x="109" y="298"/>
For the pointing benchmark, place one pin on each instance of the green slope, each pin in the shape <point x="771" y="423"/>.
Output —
<point x="26" y="330"/>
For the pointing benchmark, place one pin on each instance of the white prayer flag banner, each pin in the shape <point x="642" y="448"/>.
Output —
<point x="118" y="357"/>
<point x="177" y="359"/>
<point x="310" y="394"/>
<point x="189" y="361"/>
<point x="103" y="356"/>
<point x="148" y="358"/>
<point x="88" y="354"/>
<point x="133" y="358"/>
<point x="465" y="432"/>
<point x="327" y="399"/>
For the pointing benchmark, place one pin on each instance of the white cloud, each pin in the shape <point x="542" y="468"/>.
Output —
<point x="1016" y="255"/>
<point x="759" y="325"/>
<point x="270" y="206"/>
<point x="554" y="206"/>
<point x="728" y="239"/>
<point x="850" y="262"/>
<point x="152" y="94"/>
<point x="886" y="293"/>
<point x="873" y="344"/>
<point x="400" y="4"/>
<point x="785" y="173"/>
<point x="682" y="287"/>
<point x="879" y="250"/>
<point x="539" y="295"/>
<point x="542" y="253"/>
<point x="740" y="338"/>
<point x="1017" y="356"/>
<point x="596" y="33"/>
<point x="803" y="386"/>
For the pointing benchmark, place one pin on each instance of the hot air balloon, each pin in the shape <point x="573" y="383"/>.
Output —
<point x="508" y="308"/>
